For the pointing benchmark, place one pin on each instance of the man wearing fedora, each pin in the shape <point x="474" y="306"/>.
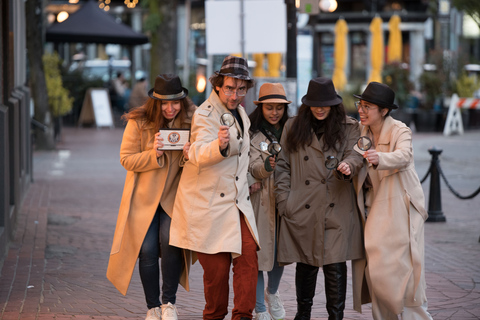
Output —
<point x="213" y="215"/>
<point x="390" y="194"/>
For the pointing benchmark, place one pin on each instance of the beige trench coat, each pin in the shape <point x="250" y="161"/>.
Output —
<point x="143" y="190"/>
<point x="394" y="229"/>
<point x="263" y="202"/>
<point x="319" y="221"/>
<point x="213" y="188"/>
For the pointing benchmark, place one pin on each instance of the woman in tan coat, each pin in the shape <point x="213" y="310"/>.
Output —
<point x="391" y="200"/>
<point x="319" y="223"/>
<point x="144" y="217"/>
<point x="267" y="122"/>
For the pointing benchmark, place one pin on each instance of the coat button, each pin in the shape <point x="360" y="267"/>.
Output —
<point x="240" y="154"/>
<point x="236" y="201"/>
<point x="236" y="178"/>
<point x="222" y="194"/>
<point x="248" y="198"/>
<point x="249" y="153"/>
<point x="307" y="182"/>
<point x="332" y="205"/>
<point x="238" y="137"/>
<point x="323" y="181"/>
<point x="307" y="206"/>
<point x="305" y="158"/>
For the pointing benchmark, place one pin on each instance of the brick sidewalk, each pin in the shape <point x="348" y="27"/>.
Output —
<point x="56" y="264"/>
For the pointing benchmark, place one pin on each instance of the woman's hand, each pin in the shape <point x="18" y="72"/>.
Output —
<point x="158" y="144"/>
<point x="255" y="187"/>
<point x="272" y="162"/>
<point x="186" y="148"/>
<point x="372" y="156"/>
<point x="223" y="137"/>
<point x="344" y="168"/>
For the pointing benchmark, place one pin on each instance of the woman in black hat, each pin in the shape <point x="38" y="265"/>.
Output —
<point x="143" y="223"/>
<point x="389" y="193"/>
<point x="319" y="224"/>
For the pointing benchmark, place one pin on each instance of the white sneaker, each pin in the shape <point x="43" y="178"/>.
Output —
<point x="275" y="305"/>
<point x="169" y="312"/>
<point x="153" y="314"/>
<point x="263" y="316"/>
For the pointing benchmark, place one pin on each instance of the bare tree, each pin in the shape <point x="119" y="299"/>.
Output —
<point x="35" y="36"/>
<point x="162" y="25"/>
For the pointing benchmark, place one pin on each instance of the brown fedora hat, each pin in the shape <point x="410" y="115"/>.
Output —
<point x="379" y="94"/>
<point x="168" y="87"/>
<point x="272" y="93"/>
<point x="321" y="93"/>
<point x="234" y="67"/>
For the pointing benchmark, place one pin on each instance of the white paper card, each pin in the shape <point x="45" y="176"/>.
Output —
<point x="174" y="139"/>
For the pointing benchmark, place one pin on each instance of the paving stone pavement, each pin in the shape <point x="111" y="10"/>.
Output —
<point x="56" y="265"/>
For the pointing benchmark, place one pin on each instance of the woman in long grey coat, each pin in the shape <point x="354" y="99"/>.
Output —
<point x="319" y="223"/>
<point x="391" y="200"/>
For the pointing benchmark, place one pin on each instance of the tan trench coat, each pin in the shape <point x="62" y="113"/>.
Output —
<point x="319" y="221"/>
<point x="263" y="202"/>
<point x="213" y="188"/>
<point x="394" y="229"/>
<point x="143" y="191"/>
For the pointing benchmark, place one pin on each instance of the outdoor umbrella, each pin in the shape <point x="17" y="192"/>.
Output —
<point x="394" y="40"/>
<point x="90" y="24"/>
<point x="376" y="50"/>
<point x="340" y="49"/>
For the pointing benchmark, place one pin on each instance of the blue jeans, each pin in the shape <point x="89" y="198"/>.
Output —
<point x="274" y="277"/>
<point x="156" y="242"/>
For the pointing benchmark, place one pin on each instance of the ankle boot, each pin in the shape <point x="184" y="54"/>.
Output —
<point x="335" y="289"/>
<point x="305" y="284"/>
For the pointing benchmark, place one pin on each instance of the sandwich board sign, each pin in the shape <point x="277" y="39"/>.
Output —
<point x="96" y="108"/>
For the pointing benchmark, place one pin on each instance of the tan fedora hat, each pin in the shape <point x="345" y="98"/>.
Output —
<point x="272" y="93"/>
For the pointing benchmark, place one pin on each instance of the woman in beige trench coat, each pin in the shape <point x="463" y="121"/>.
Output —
<point x="144" y="217"/>
<point x="267" y="122"/>
<point x="319" y="223"/>
<point x="391" y="200"/>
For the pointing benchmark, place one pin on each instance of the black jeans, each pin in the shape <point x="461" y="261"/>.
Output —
<point x="156" y="241"/>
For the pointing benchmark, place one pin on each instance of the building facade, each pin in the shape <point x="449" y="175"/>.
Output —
<point x="15" y="119"/>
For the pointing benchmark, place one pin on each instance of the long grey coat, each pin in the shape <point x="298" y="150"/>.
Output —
<point x="263" y="202"/>
<point x="394" y="229"/>
<point x="319" y="221"/>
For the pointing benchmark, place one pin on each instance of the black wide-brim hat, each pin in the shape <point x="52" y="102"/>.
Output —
<point x="167" y="87"/>
<point x="379" y="94"/>
<point x="234" y="67"/>
<point x="321" y="93"/>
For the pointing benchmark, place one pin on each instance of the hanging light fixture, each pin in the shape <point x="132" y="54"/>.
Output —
<point x="62" y="16"/>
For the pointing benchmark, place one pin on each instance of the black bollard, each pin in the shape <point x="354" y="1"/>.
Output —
<point x="435" y="213"/>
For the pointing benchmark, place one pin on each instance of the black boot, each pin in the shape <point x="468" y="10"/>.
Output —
<point x="335" y="289"/>
<point x="305" y="284"/>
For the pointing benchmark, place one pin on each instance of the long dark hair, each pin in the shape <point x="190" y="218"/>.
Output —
<point x="256" y="117"/>
<point x="151" y="111"/>
<point x="300" y="134"/>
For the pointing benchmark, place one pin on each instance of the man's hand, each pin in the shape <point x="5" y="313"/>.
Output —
<point x="223" y="137"/>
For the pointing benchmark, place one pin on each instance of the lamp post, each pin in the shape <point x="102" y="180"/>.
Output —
<point x="291" y="62"/>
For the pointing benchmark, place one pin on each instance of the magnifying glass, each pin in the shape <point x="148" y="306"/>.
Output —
<point x="364" y="143"/>
<point x="227" y="119"/>
<point x="331" y="163"/>
<point x="274" y="148"/>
